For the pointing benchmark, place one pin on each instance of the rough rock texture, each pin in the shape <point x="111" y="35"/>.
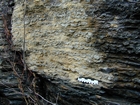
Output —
<point x="12" y="78"/>
<point x="95" y="39"/>
<point x="8" y="80"/>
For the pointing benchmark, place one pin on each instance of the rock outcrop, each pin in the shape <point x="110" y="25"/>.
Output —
<point x="97" y="40"/>
<point x="14" y="88"/>
<point x="8" y="80"/>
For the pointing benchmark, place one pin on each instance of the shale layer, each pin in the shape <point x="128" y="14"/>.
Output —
<point x="68" y="39"/>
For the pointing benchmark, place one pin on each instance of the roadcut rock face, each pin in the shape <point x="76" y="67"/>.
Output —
<point x="94" y="40"/>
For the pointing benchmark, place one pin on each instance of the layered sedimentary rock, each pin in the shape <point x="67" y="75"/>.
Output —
<point x="70" y="39"/>
<point x="14" y="88"/>
<point x="8" y="80"/>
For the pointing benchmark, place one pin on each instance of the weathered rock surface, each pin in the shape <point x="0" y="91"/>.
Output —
<point x="98" y="40"/>
<point x="12" y="78"/>
<point x="8" y="80"/>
